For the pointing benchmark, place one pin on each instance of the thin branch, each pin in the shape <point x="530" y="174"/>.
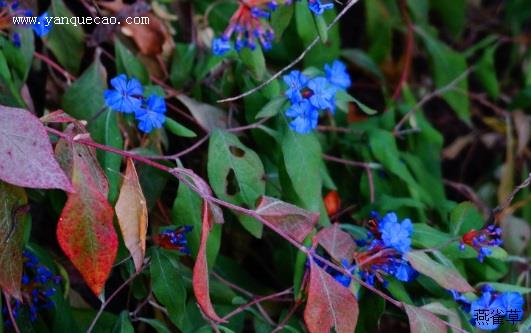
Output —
<point x="430" y="96"/>
<point x="55" y="66"/>
<point x="10" y="312"/>
<point x="113" y="295"/>
<point x="511" y="196"/>
<point x="410" y="45"/>
<point x="291" y="312"/>
<point x="364" y="165"/>
<point x="294" y="62"/>
<point x="256" y="301"/>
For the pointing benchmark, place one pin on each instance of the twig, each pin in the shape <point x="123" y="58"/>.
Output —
<point x="364" y="165"/>
<point x="469" y="193"/>
<point x="410" y="44"/>
<point x="511" y="196"/>
<point x="294" y="62"/>
<point x="10" y="311"/>
<point x="108" y="300"/>
<point x="291" y="312"/>
<point x="256" y="301"/>
<point x="430" y="96"/>
<point x="55" y="66"/>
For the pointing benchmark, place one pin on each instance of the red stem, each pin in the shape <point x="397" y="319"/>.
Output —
<point x="257" y="300"/>
<point x="10" y="311"/>
<point x="56" y="66"/>
<point x="410" y="44"/>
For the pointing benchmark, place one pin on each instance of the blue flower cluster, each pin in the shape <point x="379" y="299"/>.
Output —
<point x="309" y="96"/>
<point x="37" y="288"/>
<point x="11" y="9"/>
<point x="503" y="305"/>
<point x="481" y="240"/>
<point x="127" y="97"/>
<point x="249" y="24"/>
<point x="174" y="239"/>
<point x="381" y="254"/>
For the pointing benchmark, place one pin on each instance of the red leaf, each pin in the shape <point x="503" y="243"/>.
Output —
<point x="26" y="155"/>
<point x="329" y="304"/>
<point x="211" y="213"/>
<point x="423" y="321"/>
<point x="294" y="221"/>
<point x="85" y="230"/>
<point x="336" y="242"/>
<point x="59" y="117"/>
<point x="12" y="220"/>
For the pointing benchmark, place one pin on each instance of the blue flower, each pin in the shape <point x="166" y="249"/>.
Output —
<point x="345" y="279"/>
<point x="394" y="234"/>
<point x="126" y="95"/>
<point x="305" y="117"/>
<point x="295" y="81"/>
<point x="318" y="8"/>
<point x="404" y="272"/>
<point x="512" y="303"/>
<point x="324" y="94"/>
<point x="152" y="114"/>
<point x="220" y="46"/>
<point x="485" y="305"/>
<point x="337" y="75"/>
<point x="42" y="27"/>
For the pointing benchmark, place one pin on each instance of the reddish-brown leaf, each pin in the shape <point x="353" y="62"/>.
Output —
<point x="423" y="321"/>
<point x="332" y="202"/>
<point x="13" y="207"/>
<point x="329" y="304"/>
<point x="336" y="242"/>
<point x="132" y="214"/>
<point x="65" y="151"/>
<point x="58" y="116"/>
<point x="85" y="230"/>
<point x="26" y="155"/>
<point x="292" y="220"/>
<point x="210" y="215"/>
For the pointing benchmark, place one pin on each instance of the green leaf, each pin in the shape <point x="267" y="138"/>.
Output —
<point x="445" y="276"/>
<point x="302" y="158"/>
<point x="123" y="325"/>
<point x="66" y="41"/>
<point x="159" y="326"/>
<point x="280" y="19"/>
<point x="274" y="107"/>
<point x="255" y="61"/>
<point x="127" y="63"/>
<point x="465" y="217"/>
<point x="506" y="287"/>
<point x="84" y="101"/>
<point x="13" y="219"/>
<point x="236" y="174"/>
<point x="428" y="237"/>
<point x="9" y="94"/>
<point x="447" y="66"/>
<point x="182" y="65"/>
<point x="486" y="72"/>
<point x="321" y="53"/>
<point x="168" y="285"/>
<point x="187" y="211"/>
<point x="452" y="13"/>
<point x="178" y="129"/>
<point x="320" y="25"/>
<point x="363" y="61"/>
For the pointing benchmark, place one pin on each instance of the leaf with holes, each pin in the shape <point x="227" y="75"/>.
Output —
<point x="446" y="277"/>
<point x="13" y="218"/>
<point x="337" y="243"/>
<point x="423" y="321"/>
<point x="26" y="153"/>
<point x="85" y="230"/>
<point x="132" y="214"/>
<point x="292" y="220"/>
<point x="329" y="304"/>
<point x="236" y="175"/>
<point x="210" y="214"/>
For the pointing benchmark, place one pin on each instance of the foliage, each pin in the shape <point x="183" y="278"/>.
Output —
<point x="265" y="166"/>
